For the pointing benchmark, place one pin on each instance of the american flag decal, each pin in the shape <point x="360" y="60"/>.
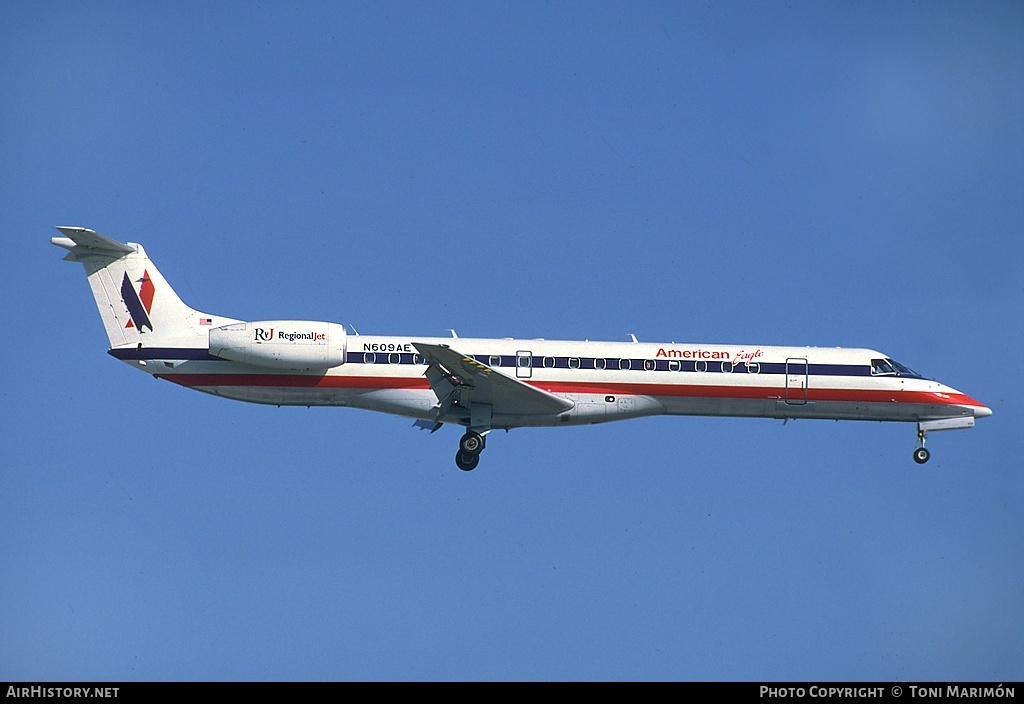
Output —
<point x="206" y="321"/>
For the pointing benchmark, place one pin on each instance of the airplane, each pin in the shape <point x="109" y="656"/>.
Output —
<point x="491" y="384"/>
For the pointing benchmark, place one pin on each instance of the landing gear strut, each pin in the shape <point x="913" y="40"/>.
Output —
<point x="470" y="447"/>
<point x="921" y="454"/>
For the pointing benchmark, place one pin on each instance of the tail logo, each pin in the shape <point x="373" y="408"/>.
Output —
<point x="140" y="302"/>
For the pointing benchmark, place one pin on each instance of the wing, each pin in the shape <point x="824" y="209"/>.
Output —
<point x="449" y="370"/>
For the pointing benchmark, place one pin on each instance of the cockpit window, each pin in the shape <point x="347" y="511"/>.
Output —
<point x="890" y="367"/>
<point x="903" y="370"/>
<point x="882" y="366"/>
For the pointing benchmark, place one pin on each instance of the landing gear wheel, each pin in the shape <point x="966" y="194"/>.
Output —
<point x="921" y="455"/>
<point x="472" y="443"/>
<point x="466" y="461"/>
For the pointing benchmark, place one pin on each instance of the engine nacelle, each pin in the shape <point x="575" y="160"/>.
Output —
<point x="299" y="345"/>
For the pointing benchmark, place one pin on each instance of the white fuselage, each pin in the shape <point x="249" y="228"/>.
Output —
<point x="604" y="381"/>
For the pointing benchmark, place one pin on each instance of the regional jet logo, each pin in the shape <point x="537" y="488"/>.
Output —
<point x="139" y="303"/>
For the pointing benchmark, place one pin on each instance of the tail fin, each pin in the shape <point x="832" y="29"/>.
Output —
<point x="136" y="303"/>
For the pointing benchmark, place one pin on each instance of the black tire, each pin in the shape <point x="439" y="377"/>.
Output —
<point x="472" y="443"/>
<point x="921" y="455"/>
<point x="466" y="461"/>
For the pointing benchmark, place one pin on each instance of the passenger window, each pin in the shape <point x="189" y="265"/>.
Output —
<point x="369" y="357"/>
<point x="674" y="365"/>
<point x="549" y="362"/>
<point x="727" y="367"/>
<point x="753" y="367"/>
<point x="394" y="358"/>
<point x="624" y="364"/>
<point x="700" y="366"/>
<point x="574" y="362"/>
<point x="599" y="363"/>
<point x="650" y="365"/>
<point x="494" y="360"/>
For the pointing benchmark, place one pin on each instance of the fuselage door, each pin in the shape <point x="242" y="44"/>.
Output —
<point x="524" y="366"/>
<point x="796" y="381"/>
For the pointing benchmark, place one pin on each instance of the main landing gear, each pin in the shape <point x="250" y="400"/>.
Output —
<point x="470" y="447"/>
<point x="921" y="454"/>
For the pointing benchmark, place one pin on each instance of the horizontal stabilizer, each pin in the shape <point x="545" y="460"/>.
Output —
<point x="80" y="242"/>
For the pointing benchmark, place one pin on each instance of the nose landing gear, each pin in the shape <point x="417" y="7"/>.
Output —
<point x="921" y="454"/>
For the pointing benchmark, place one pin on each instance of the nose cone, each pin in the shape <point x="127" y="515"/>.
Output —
<point x="977" y="408"/>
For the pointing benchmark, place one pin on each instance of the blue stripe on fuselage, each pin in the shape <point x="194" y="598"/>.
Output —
<point x="508" y="361"/>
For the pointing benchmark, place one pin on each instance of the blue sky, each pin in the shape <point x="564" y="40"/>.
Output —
<point x="812" y="173"/>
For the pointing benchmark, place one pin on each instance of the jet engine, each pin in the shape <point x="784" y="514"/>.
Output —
<point x="299" y="345"/>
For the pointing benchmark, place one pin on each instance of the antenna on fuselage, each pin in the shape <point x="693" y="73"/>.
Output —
<point x="453" y="334"/>
<point x="635" y="341"/>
